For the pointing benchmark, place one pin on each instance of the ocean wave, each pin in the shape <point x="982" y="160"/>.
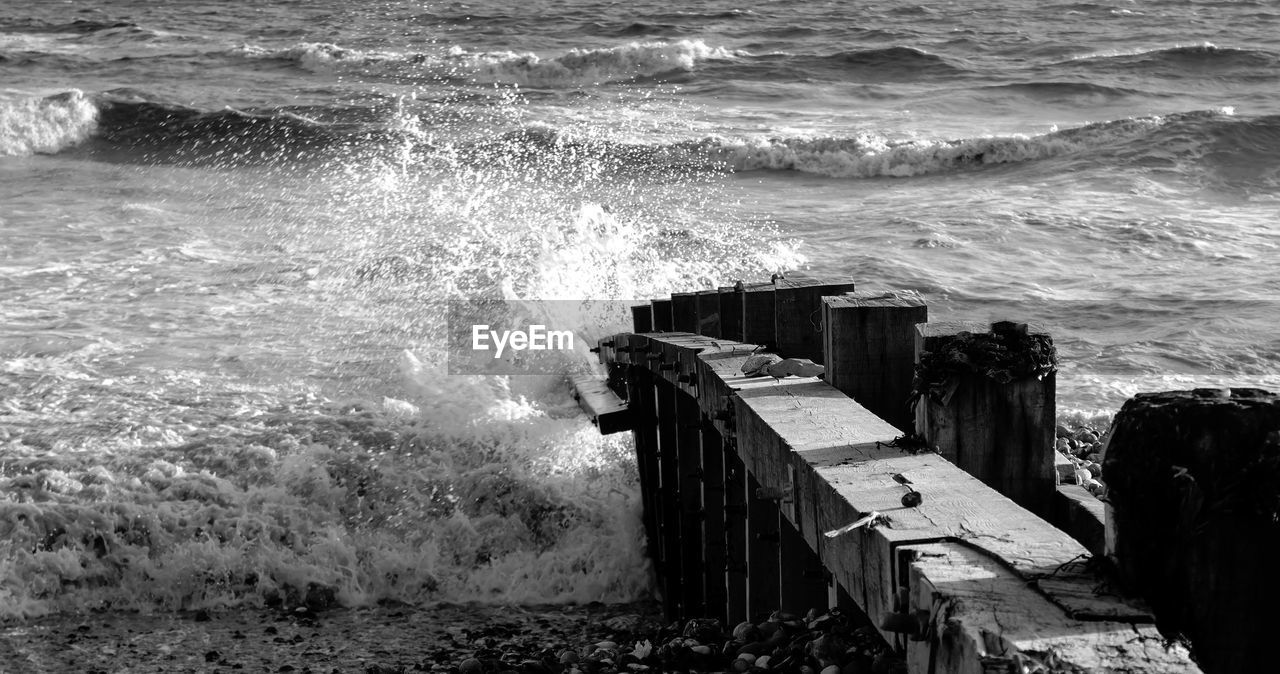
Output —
<point x="1204" y="55"/>
<point x="134" y="126"/>
<point x="890" y="57"/>
<point x="34" y="125"/>
<point x="1061" y="89"/>
<point x="631" y="61"/>
<point x="576" y="67"/>
<point x="872" y="156"/>
<point x="77" y="27"/>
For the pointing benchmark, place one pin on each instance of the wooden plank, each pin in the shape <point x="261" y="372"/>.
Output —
<point x="684" y="312"/>
<point x="689" y="485"/>
<point x="670" y="564"/>
<point x="709" y="313"/>
<point x="1003" y="433"/>
<point x="802" y="579"/>
<point x="1082" y="516"/>
<point x="731" y="313"/>
<point x="603" y="407"/>
<point x="662" y="316"/>
<point x="1064" y="469"/>
<point x="798" y="315"/>
<point x="976" y="612"/>
<point x="736" y="533"/>
<point x="642" y="318"/>
<point x="869" y="347"/>
<point x="643" y="403"/>
<point x="714" y="542"/>
<point x="757" y="314"/>
<point x="763" y="574"/>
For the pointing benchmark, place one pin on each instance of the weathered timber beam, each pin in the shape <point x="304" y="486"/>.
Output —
<point x="642" y="318"/>
<point x="709" y="313"/>
<point x="757" y="306"/>
<point x="835" y="458"/>
<point x="1081" y="515"/>
<point x="973" y="610"/>
<point x="798" y="314"/>
<point x="730" y="313"/>
<point x="1000" y="431"/>
<point x="869" y="347"/>
<point x="684" y="312"/>
<point x="662" y="318"/>
<point x="603" y="407"/>
<point x="1193" y="517"/>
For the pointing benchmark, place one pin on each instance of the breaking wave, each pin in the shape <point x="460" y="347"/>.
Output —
<point x="576" y="67"/>
<point x="32" y="125"/>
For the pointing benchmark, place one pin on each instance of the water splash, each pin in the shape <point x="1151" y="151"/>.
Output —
<point x="317" y="451"/>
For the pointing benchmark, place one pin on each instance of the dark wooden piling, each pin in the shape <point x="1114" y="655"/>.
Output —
<point x="869" y="349"/>
<point x="1193" y="491"/>
<point x="709" y="313"/>
<point x="690" y="514"/>
<point x="803" y="578"/>
<point x="662" y="318"/>
<point x="798" y="315"/>
<point x="764" y="493"/>
<point x="763" y="573"/>
<point x="642" y="401"/>
<point x="987" y="404"/>
<point x="736" y="534"/>
<point x="671" y="562"/>
<point x="757" y="315"/>
<point x="715" y="543"/>
<point x="731" y="313"/>
<point x="684" y="312"/>
<point x="642" y="318"/>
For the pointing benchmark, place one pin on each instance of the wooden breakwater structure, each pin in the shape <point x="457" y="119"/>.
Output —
<point x="914" y="481"/>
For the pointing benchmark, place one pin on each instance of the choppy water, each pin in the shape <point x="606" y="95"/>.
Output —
<point x="206" y="399"/>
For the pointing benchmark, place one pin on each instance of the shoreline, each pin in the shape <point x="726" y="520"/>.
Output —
<point x="374" y="640"/>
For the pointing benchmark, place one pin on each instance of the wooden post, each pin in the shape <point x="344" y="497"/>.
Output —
<point x="730" y="313"/>
<point x="798" y="315"/>
<point x="870" y="350"/>
<point x="1193" y="518"/>
<point x="642" y="400"/>
<point x="670" y="565"/>
<point x="714" y="541"/>
<point x="757" y="315"/>
<point x="709" y="313"/>
<point x="763" y="573"/>
<point x="689" y="484"/>
<point x="684" y="312"/>
<point x="993" y="587"/>
<point x="662" y="316"/>
<point x="803" y="579"/>
<point x="735" y="531"/>
<point x="998" y="431"/>
<point x="642" y="318"/>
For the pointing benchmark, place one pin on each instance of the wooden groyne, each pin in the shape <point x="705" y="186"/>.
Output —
<point x="914" y="481"/>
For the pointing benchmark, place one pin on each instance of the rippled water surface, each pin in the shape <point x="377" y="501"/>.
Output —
<point x="227" y="230"/>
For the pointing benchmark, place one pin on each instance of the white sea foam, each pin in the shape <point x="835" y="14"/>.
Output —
<point x="586" y="66"/>
<point x="31" y="125"/>
<point x="575" y="67"/>
<point x="869" y="155"/>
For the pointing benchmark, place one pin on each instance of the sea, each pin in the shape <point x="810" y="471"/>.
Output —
<point x="230" y="234"/>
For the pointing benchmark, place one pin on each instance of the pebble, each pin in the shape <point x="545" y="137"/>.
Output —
<point x="821" y="643"/>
